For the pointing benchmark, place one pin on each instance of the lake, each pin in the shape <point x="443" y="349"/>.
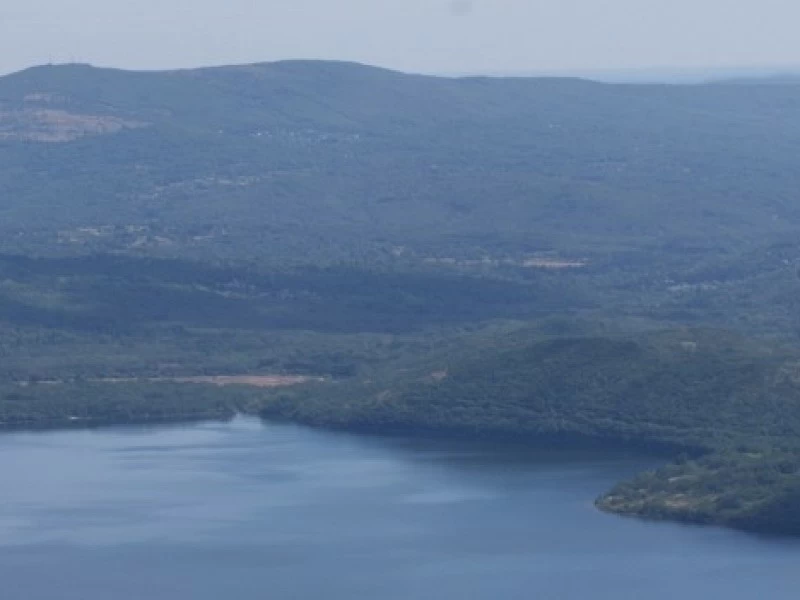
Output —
<point x="247" y="510"/>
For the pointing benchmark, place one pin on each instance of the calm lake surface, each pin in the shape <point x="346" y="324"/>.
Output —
<point x="247" y="510"/>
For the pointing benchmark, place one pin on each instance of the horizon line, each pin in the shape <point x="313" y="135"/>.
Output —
<point x="650" y="74"/>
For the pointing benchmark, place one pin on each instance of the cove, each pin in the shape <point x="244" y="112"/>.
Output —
<point x="247" y="509"/>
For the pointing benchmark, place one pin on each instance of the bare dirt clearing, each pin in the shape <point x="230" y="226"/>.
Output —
<point x="54" y="126"/>
<point x="260" y="381"/>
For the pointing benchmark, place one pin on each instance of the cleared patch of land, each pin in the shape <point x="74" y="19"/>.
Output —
<point x="551" y="263"/>
<point x="528" y="263"/>
<point x="260" y="381"/>
<point x="54" y="126"/>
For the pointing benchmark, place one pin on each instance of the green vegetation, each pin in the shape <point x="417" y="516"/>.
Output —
<point x="545" y="258"/>
<point x="754" y="489"/>
<point x="85" y="403"/>
<point x="732" y="404"/>
<point x="303" y="162"/>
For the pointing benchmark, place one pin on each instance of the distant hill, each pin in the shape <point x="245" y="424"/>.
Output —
<point x="659" y="75"/>
<point x="309" y="161"/>
<point x="767" y="79"/>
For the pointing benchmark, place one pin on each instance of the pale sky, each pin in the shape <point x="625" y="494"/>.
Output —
<point x="430" y="36"/>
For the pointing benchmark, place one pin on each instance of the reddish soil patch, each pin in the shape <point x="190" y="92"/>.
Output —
<point x="262" y="381"/>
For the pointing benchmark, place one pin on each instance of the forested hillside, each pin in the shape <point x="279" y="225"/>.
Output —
<point x="301" y="161"/>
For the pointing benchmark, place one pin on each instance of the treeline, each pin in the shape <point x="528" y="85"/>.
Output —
<point x="112" y="294"/>
<point x="82" y="404"/>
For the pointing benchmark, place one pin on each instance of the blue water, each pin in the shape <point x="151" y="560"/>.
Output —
<point x="246" y="510"/>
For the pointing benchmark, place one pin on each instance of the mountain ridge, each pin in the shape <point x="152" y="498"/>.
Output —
<point x="341" y="148"/>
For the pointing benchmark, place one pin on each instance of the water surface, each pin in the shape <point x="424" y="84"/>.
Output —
<point x="247" y="510"/>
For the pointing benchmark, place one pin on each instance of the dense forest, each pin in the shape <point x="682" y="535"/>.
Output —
<point x="552" y="259"/>
<point x="311" y="161"/>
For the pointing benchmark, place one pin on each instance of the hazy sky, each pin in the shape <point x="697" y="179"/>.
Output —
<point x="434" y="36"/>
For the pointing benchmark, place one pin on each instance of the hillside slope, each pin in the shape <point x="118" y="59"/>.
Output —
<point x="732" y="405"/>
<point x="302" y="160"/>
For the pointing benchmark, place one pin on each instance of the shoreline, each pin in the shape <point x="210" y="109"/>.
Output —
<point x="613" y="502"/>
